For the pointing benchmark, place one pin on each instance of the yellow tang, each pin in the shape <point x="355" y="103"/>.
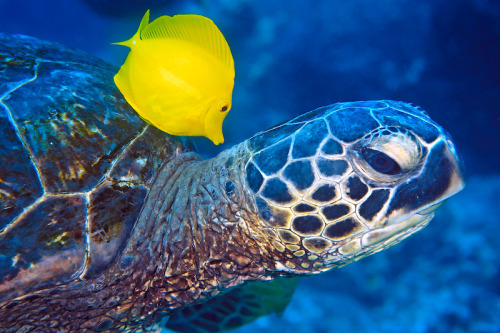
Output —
<point x="179" y="75"/>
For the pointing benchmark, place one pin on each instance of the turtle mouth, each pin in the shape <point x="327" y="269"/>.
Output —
<point x="402" y="227"/>
<point x="390" y="233"/>
<point x="431" y="209"/>
<point x="396" y="231"/>
<point x="401" y="220"/>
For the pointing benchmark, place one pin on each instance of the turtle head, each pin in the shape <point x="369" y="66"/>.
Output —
<point x="348" y="180"/>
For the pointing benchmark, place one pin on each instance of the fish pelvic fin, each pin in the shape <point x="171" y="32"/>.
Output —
<point x="137" y="36"/>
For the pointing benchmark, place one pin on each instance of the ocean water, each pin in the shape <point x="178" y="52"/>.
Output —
<point x="294" y="56"/>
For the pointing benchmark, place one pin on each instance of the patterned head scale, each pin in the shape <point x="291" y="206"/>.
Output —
<point x="350" y="179"/>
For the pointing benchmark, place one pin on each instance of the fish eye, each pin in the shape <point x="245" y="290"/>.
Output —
<point x="224" y="108"/>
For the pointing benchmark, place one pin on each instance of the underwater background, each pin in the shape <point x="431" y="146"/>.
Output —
<point x="293" y="56"/>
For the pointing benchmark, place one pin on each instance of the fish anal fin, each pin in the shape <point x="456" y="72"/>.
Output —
<point x="195" y="29"/>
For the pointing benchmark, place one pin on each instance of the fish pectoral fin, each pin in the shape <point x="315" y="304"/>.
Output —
<point x="122" y="81"/>
<point x="194" y="29"/>
<point x="137" y="35"/>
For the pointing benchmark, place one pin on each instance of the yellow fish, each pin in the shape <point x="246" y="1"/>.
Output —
<point x="179" y="75"/>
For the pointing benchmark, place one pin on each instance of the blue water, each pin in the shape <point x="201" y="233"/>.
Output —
<point x="442" y="55"/>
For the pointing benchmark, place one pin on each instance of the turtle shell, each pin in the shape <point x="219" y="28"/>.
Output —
<point x="76" y="163"/>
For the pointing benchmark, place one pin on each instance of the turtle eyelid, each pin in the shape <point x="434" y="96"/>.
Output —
<point x="381" y="162"/>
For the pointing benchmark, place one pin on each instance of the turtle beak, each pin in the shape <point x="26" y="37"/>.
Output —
<point x="457" y="183"/>
<point x="440" y="178"/>
<point x="455" y="170"/>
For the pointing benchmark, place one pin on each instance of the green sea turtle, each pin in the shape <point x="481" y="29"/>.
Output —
<point x="108" y="224"/>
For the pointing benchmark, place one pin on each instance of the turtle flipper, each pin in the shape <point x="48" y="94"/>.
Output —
<point x="236" y="308"/>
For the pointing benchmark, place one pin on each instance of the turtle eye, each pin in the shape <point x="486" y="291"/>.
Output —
<point x="386" y="154"/>
<point x="380" y="162"/>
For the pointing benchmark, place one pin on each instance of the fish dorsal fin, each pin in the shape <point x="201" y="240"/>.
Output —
<point x="195" y="29"/>
<point x="235" y="308"/>
<point x="137" y="35"/>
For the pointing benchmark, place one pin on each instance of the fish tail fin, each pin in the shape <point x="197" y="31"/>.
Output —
<point x="137" y="35"/>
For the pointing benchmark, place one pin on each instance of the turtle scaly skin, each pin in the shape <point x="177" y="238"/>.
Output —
<point x="107" y="224"/>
